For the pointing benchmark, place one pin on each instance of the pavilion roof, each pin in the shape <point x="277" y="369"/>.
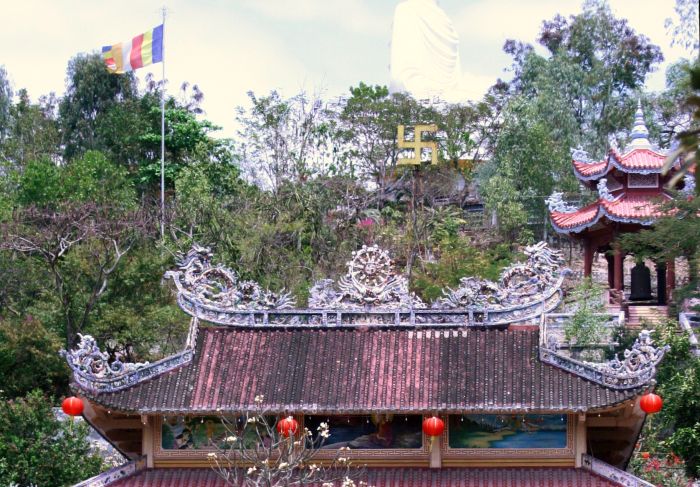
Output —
<point x="405" y="476"/>
<point x="638" y="160"/>
<point x="364" y="370"/>
<point x="638" y="207"/>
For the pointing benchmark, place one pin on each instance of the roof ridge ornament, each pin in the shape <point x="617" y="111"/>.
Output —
<point x="579" y="154"/>
<point x="93" y="362"/>
<point x="555" y="202"/>
<point x="201" y="283"/>
<point x="636" y="370"/>
<point x="688" y="185"/>
<point x="521" y="285"/>
<point x="370" y="281"/>
<point x="603" y="191"/>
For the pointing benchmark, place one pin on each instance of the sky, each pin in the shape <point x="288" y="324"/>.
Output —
<point x="230" y="47"/>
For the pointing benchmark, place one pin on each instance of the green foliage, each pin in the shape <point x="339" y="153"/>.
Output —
<point x="676" y="429"/>
<point x="29" y="358"/>
<point x="38" y="450"/>
<point x="586" y="326"/>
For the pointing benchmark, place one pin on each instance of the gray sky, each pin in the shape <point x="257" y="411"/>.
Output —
<point x="229" y="47"/>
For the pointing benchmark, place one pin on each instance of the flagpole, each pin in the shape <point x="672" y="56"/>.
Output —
<point x="162" y="139"/>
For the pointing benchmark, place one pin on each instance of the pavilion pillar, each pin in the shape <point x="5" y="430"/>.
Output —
<point x="611" y="270"/>
<point x="670" y="278"/>
<point x="587" y="258"/>
<point x="618" y="279"/>
<point x="661" y="271"/>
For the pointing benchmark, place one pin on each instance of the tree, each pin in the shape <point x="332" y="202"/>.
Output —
<point x="37" y="449"/>
<point x="90" y="92"/>
<point x="579" y="95"/>
<point x="29" y="359"/>
<point x="5" y="104"/>
<point x="260" y="450"/>
<point x="675" y="430"/>
<point x="33" y="131"/>
<point x="286" y="139"/>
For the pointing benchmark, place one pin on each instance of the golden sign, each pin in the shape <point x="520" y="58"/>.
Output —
<point x="417" y="144"/>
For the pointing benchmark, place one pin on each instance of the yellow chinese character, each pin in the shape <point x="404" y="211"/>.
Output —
<point x="417" y="144"/>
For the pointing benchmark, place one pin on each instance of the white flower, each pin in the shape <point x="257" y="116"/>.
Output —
<point x="348" y="482"/>
<point x="327" y="484"/>
<point x="252" y="470"/>
<point x="323" y="430"/>
<point x="211" y="455"/>
<point x="314" y="468"/>
<point x="283" y="465"/>
<point x="231" y="439"/>
<point x="342" y="460"/>
<point x="251" y="419"/>
<point x="259" y="399"/>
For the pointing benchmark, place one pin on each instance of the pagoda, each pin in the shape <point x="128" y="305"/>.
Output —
<point x="375" y="362"/>
<point x="630" y="189"/>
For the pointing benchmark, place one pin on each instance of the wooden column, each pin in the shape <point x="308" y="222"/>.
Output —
<point x="670" y="278"/>
<point x="618" y="279"/>
<point x="611" y="270"/>
<point x="587" y="258"/>
<point x="661" y="283"/>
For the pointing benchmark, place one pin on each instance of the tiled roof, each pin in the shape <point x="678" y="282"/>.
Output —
<point x="365" y="370"/>
<point x="640" y="159"/>
<point x="587" y="169"/>
<point x="636" y="160"/>
<point x="586" y="216"/>
<point x="398" y="477"/>
<point x="628" y="207"/>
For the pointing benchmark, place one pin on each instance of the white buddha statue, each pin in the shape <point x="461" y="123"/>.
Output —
<point x="425" y="52"/>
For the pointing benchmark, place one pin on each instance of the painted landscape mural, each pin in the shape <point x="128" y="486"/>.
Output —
<point x="507" y="431"/>
<point x="371" y="432"/>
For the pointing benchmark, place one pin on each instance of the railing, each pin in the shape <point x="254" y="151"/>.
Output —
<point x="114" y="474"/>
<point x="372" y="317"/>
<point x="609" y="472"/>
<point x="688" y="322"/>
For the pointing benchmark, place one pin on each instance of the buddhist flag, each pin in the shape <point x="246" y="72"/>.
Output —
<point x="142" y="50"/>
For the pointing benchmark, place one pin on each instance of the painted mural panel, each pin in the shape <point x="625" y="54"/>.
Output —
<point x="507" y="431"/>
<point x="370" y="432"/>
<point x="193" y="433"/>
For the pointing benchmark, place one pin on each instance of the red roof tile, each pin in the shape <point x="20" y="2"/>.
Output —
<point x="586" y="216"/>
<point x="397" y="477"/>
<point x="635" y="160"/>
<point x="356" y="370"/>
<point x="641" y="159"/>
<point x="634" y="206"/>
<point x="629" y="207"/>
<point x="587" y="169"/>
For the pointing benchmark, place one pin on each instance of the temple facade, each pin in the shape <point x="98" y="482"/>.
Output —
<point x="372" y="360"/>
<point x="629" y="188"/>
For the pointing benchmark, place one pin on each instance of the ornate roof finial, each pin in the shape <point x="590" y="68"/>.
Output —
<point x="640" y="134"/>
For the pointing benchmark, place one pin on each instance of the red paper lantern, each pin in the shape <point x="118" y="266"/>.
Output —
<point x="287" y="426"/>
<point x="433" y="426"/>
<point x="651" y="403"/>
<point x="72" y="406"/>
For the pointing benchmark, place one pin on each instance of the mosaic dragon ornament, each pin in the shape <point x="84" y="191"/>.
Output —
<point x="369" y="282"/>
<point x="89" y="360"/>
<point x="520" y="285"/>
<point x="218" y="287"/>
<point x="637" y="369"/>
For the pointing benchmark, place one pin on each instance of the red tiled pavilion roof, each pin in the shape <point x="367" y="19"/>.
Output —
<point x="398" y="477"/>
<point x="365" y="370"/>
<point x="639" y="208"/>
<point x="637" y="160"/>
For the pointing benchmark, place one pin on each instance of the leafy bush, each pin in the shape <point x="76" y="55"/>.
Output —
<point x="39" y="450"/>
